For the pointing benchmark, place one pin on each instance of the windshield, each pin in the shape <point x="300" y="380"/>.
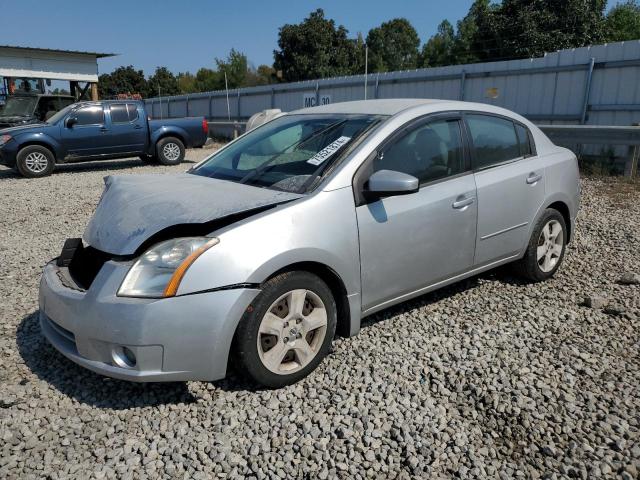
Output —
<point x="55" y="118"/>
<point x="19" y="106"/>
<point x="290" y="153"/>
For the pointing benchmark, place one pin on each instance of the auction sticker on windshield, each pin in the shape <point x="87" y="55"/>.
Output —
<point x="328" y="151"/>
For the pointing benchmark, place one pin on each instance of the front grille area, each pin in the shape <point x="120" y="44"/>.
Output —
<point x="85" y="265"/>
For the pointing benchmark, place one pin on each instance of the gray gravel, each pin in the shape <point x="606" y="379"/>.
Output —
<point x="489" y="378"/>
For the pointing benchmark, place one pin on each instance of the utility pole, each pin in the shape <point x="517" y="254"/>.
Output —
<point x="366" y="68"/>
<point x="226" y="87"/>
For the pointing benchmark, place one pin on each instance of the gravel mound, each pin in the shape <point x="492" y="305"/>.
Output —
<point x="488" y="378"/>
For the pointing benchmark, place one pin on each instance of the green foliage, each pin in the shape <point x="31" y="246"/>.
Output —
<point x="164" y="81"/>
<point x="236" y="68"/>
<point x="314" y="48"/>
<point x="393" y="46"/>
<point x="126" y="80"/>
<point x="439" y="50"/>
<point x="623" y="22"/>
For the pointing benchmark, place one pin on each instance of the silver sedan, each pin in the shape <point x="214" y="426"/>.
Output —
<point x="260" y="254"/>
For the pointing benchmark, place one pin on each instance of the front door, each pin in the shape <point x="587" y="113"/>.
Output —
<point x="409" y="242"/>
<point x="89" y="136"/>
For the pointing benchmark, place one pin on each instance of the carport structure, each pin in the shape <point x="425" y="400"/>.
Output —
<point x="26" y="64"/>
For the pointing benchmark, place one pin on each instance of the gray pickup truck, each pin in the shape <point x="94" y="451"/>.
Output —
<point x="96" y="131"/>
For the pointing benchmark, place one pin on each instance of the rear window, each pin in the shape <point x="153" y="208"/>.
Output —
<point x="133" y="111"/>
<point x="119" y="113"/>
<point x="523" y="140"/>
<point x="494" y="140"/>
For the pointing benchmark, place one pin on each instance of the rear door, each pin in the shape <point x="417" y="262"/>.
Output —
<point x="90" y="134"/>
<point x="510" y="184"/>
<point x="127" y="129"/>
<point x="409" y="242"/>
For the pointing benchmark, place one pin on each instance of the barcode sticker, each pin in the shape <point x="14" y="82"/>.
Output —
<point x="327" y="151"/>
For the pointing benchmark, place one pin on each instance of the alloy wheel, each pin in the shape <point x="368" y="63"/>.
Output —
<point x="171" y="151"/>
<point x="292" y="331"/>
<point x="36" y="162"/>
<point x="550" y="245"/>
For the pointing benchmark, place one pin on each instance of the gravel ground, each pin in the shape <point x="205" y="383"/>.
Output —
<point x="488" y="378"/>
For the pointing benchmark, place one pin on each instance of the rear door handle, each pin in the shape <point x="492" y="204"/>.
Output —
<point x="103" y="129"/>
<point x="463" y="202"/>
<point x="138" y="127"/>
<point x="533" y="178"/>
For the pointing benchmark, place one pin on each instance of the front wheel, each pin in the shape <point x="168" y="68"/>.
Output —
<point x="35" y="161"/>
<point x="546" y="248"/>
<point x="170" y="151"/>
<point x="287" y="331"/>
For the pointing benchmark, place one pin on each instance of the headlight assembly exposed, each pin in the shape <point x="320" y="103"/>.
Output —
<point x="159" y="271"/>
<point x="4" y="139"/>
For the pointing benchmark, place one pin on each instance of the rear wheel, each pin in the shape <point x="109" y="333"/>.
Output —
<point x="35" y="161"/>
<point x="287" y="331"/>
<point x="170" y="151"/>
<point x="546" y="248"/>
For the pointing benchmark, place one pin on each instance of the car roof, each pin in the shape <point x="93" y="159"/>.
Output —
<point x="389" y="106"/>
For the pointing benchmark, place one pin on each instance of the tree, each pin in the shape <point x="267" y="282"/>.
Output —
<point x="186" y="82"/>
<point x="236" y="68"/>
<point x="438" y="51"/>
<point x="125" y="80"/>
<point x="623" y="22"/>
<point x="314" y="48"/>
<point x="164" y="81"/>
<point x="393" y="46"/>
<point x="530" y="28"/>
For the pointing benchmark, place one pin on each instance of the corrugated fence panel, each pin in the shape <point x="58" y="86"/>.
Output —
<point x="550" y="89"/>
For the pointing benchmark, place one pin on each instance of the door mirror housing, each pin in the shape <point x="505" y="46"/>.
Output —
<point x="70" y="122"/>
<point x="386" y="183"/>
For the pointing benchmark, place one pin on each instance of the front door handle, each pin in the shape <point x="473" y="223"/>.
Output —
<point x="463" y="202"/>
<point x="103" y="129"/>
<point x="138" y="127"/>
<point x="533" y="178"/>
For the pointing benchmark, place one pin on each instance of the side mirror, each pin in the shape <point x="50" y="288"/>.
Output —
<point x="70" y="122"/>
<point x="385" y="183"/>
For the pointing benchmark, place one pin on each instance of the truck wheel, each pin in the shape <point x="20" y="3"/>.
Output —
<point x="35" y="161"/>
<point x="286" y="331"/>
<point x="170" y="151"/>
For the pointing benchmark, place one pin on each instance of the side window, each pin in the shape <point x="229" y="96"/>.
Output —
<point x="523" y="140"/>
<point x="90" y="115"/>
<point x="133" y="112"/>
<point x="494" y="140"/>
<point x="429" y="152"/>
<point x="119" y="113"/>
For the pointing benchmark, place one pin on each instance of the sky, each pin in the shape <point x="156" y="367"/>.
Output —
<point x="187" y="35"/>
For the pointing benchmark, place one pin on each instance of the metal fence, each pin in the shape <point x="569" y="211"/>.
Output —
<point x="597" y="85"/>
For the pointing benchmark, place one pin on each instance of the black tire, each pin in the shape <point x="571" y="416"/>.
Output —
<point x="149" y="159"/>
<point x="530" y="267"/>
<point x="164" y="147"/>
<point x="245" y="345"/>
<point x="26" y="158"/>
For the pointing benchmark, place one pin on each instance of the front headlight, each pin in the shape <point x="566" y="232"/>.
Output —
<point x="159" y="271"/>
<point x="4" y="139"/>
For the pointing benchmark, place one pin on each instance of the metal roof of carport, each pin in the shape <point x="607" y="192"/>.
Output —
<point x="33" y="62"/>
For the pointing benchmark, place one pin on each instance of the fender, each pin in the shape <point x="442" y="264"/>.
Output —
<point x="167" y="131"/>
<point x="41" y="138"/>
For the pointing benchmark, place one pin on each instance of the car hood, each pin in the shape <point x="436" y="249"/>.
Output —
<point x="19" y="128"/>
<point x="133" y="208"/>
